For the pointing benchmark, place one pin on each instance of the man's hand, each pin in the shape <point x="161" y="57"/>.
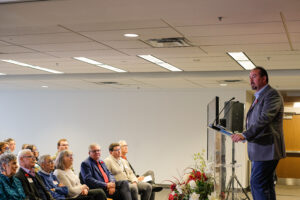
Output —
<point x="141" y="178"/>
<point x="110" y="185"/>
<point x="237" y="137"/>
<point x="111" y="190"/>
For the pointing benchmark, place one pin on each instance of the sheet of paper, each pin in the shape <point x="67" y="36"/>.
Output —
<point x="147" y="178"/>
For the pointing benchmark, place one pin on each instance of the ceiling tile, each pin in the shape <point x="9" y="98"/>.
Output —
<point x="68" y="46"/>
<point x="44" y="38"/>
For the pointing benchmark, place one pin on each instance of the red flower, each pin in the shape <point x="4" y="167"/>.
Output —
<point x="171" y="197"/>
<point x="204" y="176"/>
<point x="173" y="187"/>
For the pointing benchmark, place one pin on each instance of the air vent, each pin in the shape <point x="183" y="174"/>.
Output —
<point x="168" y="42"/>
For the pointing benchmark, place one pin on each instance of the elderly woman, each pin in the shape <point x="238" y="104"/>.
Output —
<point x="10" y="187"/>
<point x="66" y="176"/>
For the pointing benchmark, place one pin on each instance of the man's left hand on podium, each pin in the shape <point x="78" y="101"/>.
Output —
<point x="237" y="137"/>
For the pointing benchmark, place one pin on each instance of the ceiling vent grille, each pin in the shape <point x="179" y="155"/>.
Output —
<point x="168" y="42"/>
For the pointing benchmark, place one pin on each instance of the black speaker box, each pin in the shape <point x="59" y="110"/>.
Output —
<point x="234" y="115"/>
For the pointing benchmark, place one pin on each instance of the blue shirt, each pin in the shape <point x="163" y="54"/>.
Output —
<point x="51" y="182"/>
<point x="259" y="92"/>
<point x="11" y="188"/>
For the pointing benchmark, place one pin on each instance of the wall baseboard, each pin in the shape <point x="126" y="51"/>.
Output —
<point x="288" y="181"/>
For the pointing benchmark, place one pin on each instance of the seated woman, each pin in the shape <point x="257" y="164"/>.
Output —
<point x="3" y="147"/>
<point x="10" y="186"/>
<point x="66" y="176"/>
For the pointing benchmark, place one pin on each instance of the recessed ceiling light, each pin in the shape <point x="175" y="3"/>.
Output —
<point x="242" y="59"/>
<point x="223" y="84"/>
<point x="2" y="74"/>
<point x="160" y="63"/>
<point x="44" y="86"/>
<point x="131" y="35"/>
<point x="32" y="66"/>
<point x="93" y="62"/>
<point x="297" y="105"/>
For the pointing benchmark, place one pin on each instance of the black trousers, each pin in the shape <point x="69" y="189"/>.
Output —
<point x="122" y="191"/>
<point x="94" y="194"/>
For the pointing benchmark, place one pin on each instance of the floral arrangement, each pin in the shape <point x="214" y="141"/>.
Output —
<point x="197" y="183"/>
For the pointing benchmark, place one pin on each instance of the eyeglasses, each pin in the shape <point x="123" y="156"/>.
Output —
<point x="29" y="157"/>
<point x="69" y="155"/>
<point x="64" y="145"/>
<point x="96" y="151"/>
<point x="117" y="150"/>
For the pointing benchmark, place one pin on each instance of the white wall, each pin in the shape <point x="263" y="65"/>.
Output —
<point x="163" y="128"/>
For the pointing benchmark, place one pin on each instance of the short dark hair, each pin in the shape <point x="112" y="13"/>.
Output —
<point x="24" y="146"/>
<point x="61" y="140"/>
<point x="112" y="146"/>
<point x="8" y="140"/>
<point x="262" y="72"/>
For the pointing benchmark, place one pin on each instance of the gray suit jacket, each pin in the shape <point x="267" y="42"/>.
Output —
<point x="264" y="127"/>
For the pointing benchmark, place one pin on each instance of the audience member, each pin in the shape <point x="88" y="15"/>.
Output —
<point x="62" y="144"/>
<point x="24" y="146"/>
<point x="11" y="143"/>
<point x="121" y="170"/>
<point x="10" y="187"/>
<point x="3" y="147"/>
<point x="95" y="174"/>
<point x="155" y="188"/>
<point x="66" y="176"/>
<point x="57" y="190"/>
<point x="36" y="154"/>
<point x="32" y="183"/>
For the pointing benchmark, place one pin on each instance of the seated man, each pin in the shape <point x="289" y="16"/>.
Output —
<point x="32" y="183"/>
<point x="62" y="144"/>
<point x="95" y="174"/>
<point x="121" y="170"/>
<point x="57" y="190"/>
<point x="124" y="151"/>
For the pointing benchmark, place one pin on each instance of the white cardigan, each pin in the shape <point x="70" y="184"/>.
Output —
<point x="69" y="179"/>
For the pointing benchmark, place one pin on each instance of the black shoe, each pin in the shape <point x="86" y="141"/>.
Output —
<point x="156" y="188"/>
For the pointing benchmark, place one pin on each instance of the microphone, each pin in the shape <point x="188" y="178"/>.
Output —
<point x="217" y="117"/>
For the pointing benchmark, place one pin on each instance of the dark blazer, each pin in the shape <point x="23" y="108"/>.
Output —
<point x="29" y="188"/>
<point x="264" y="131"/>
<point x="92" y="176"/>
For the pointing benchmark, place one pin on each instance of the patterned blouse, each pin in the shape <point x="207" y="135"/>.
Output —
<point x="11" y="188"/>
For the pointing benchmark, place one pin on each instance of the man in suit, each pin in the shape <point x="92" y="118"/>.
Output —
<point x="264" y="135"/>
<point x="95" y="174"/>
<point x="121" y="170"/>
<point x="32" y="183"/>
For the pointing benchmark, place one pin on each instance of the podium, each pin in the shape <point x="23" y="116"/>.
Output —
<point x="220" y="166"/>
<point x="216" y="154"/>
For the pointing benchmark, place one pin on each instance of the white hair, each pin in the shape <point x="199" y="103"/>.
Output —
<point x="122" y="142"/>
<point x="22" y="153"/>
<point x="93" y="145"/>
<point x="43" y="158"/>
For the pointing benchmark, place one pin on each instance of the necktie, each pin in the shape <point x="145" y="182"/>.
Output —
<point x="103" y="173"/>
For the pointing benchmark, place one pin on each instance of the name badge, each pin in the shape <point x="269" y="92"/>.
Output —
<point x="30" y="180"/>
<point x="55" y="182"/>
